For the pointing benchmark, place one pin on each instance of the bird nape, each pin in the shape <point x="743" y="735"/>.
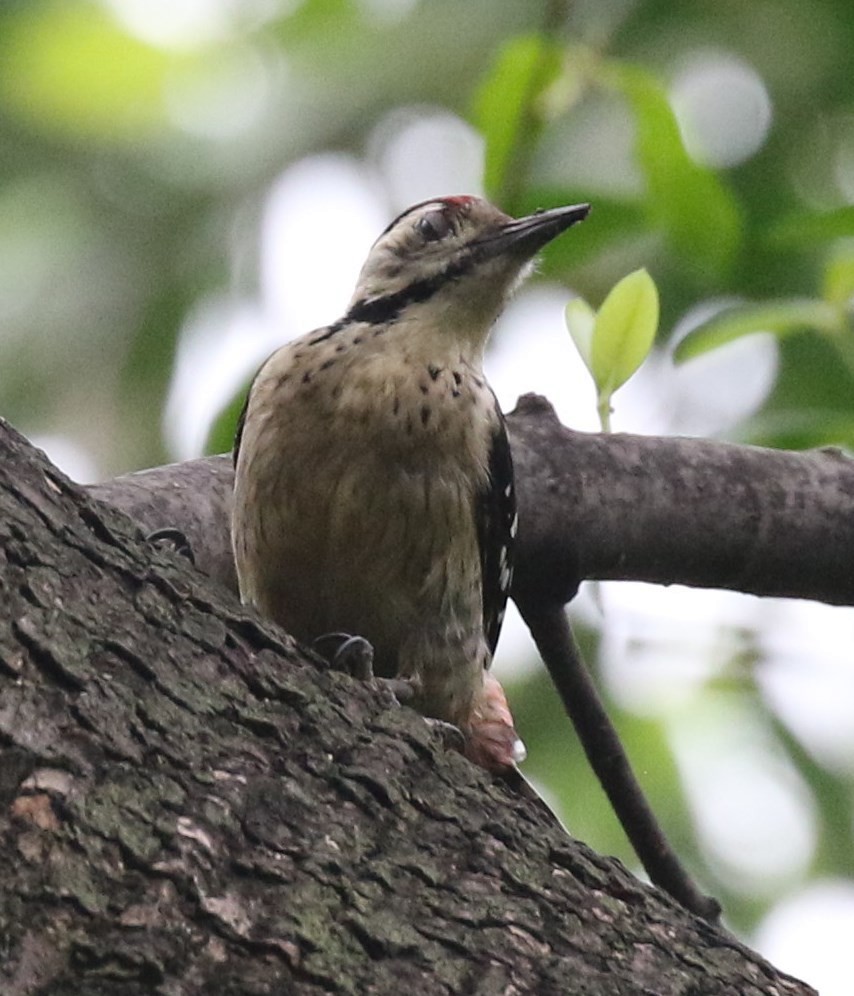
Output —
<point x="374" y="482"/>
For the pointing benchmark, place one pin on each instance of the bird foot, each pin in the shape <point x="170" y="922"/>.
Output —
<point x="489" y="739"/>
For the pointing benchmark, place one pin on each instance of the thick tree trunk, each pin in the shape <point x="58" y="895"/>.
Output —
<point x="192" y="805"/>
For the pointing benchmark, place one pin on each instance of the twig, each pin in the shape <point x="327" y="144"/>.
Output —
<point x="552" y="633"/>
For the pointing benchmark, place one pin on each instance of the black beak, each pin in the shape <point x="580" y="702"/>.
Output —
<point x="523" y="237"/>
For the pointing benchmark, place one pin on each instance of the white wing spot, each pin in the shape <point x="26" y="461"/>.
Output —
<point x="514" y="525"/>
<point x="505" y="578"/>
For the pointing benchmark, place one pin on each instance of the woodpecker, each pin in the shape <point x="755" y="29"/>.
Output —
<point x="373" y="479"/>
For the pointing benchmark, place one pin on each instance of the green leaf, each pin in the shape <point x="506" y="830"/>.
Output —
<point x="697" y="210"/>
<point x="838" y="283"/>
<point x="808" y="229"/>
<point x="624" y="331"/>
<point x="778" y="317"/>
<point x="580" y="319"/>
<point x="320" y="20"/>
<point x="505" y="108"/>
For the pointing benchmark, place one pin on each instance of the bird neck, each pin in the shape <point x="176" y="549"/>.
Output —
<point x="449" y="324"/>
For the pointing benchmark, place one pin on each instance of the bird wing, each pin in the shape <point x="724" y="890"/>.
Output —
<point x="238" y="432"/>
<point x="495" y="513"/>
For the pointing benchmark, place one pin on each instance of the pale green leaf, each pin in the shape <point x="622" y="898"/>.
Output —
<point x="624" y="331"/>
<point x="580" y="319"/>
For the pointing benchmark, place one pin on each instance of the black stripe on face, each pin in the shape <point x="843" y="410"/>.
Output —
<point x="381" y="310"/>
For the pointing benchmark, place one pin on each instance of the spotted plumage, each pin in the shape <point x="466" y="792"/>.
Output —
<point x="374" y="481"/>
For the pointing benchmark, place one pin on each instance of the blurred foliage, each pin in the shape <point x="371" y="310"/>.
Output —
<point x="688" y="202"/>
<point x="780" y="317"/>
<point x="509" y="104"/>
<point x="136" y="159"/>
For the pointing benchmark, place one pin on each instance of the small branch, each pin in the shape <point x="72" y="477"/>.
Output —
<point x="551" y="631"/>
<point x="193" y="497"/>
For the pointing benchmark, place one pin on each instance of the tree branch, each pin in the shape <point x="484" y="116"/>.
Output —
<point x="681" y="511"/>
<point x="550" y="628"/>
<point x="617" y="507"/>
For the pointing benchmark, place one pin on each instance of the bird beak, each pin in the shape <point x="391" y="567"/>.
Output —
<point x="523" y="237"/>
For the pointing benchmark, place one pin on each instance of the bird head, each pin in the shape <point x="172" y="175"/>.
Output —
<point x="453" y="262"/>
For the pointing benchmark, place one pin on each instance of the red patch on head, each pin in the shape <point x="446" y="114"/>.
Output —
<point x="460" y="201"/>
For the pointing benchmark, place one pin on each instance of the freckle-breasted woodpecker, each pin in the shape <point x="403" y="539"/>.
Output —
<point x="374" y="484"/>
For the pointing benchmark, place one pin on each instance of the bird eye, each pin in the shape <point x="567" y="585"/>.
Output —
<point x="433" y="226"/>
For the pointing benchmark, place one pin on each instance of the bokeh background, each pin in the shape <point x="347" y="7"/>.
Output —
<point x="184" y="184"/>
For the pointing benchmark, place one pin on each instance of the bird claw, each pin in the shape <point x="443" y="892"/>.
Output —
<point x="403" y="689"/>
<point x="452" y="737"/>
<point x="351" y="654"/>
<point x="174" y="538"/>
<point x="354" y="655"/>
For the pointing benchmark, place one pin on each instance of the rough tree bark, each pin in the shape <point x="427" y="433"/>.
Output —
<point x="191" y="804"/>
